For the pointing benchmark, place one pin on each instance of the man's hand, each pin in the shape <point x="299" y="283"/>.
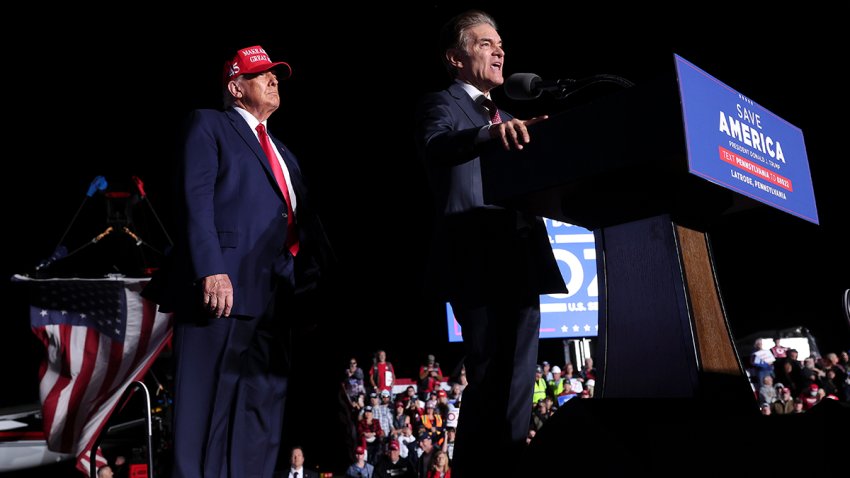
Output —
<point x="218" y="294"/>
<point x="514" y="133"/>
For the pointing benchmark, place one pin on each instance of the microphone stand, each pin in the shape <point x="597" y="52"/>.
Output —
<point x="141" y="187"/>
<point x="94" y="240"/>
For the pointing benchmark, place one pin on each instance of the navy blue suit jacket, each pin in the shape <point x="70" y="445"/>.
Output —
<point x="480" y="251"/>
<point x="232" y="220"/>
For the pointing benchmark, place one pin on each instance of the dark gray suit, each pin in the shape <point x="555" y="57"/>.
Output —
<point x="491" y="264"/>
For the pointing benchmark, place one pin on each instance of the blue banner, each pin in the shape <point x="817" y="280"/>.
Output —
<point x="570" y="315"/>
<point x="736" y="143"/>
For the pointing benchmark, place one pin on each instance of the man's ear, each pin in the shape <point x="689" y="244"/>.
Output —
<point x="455" y="57"/>
<point x="234" y="89"/>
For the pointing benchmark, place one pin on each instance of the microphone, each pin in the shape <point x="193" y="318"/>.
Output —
<point x="97" y="184"/>
<point x="140" y="186"/>
<point x="528" y="86"/>
<point x="135" y="237"/>
<point x="101" y="235"/>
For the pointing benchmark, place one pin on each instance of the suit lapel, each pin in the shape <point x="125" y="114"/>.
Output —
<point x="250" y="139"/>
<point x="468" y="106"/>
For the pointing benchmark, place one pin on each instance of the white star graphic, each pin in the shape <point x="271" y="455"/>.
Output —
<point x="586" y="328"/>
<point x="43" y="313"/>
<point x="575" y="328"/>
<point x="565" y="329"/>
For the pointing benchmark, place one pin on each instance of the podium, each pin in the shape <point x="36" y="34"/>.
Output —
<point x="620" y="166"/>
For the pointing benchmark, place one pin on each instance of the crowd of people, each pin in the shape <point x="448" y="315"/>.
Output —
<point x="412" y="433"/>
<point x="784" y="384"/>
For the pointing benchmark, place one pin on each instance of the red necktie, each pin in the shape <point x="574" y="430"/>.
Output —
<point x="495" y="118"/>
<point x="291" y="233"/>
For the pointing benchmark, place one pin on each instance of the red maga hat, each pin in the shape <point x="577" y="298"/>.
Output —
<point x="252" y="60"/>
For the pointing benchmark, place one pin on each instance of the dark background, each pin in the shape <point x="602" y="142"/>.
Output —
<point x="105" y="97"/>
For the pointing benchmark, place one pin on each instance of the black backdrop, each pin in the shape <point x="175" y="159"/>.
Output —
<point x="105" y="97"/>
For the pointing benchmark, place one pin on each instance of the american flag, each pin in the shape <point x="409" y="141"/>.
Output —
<point x="99" y="336"/>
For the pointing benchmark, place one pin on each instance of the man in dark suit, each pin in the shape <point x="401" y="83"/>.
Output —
<point x="489" y="262"/>
<point x="248" y="243"/>
<point x="296" y="465"/>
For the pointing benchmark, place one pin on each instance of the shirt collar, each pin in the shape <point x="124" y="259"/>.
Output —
<point x="249" y="118"/>
<point x="472" y="91"/>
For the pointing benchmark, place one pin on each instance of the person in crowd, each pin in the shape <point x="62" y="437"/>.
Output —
<point x="547" y="370"/>
<point x="784" y="372"/>
<point x="420" y="456"/>
<point x="540" y="386"/>
<point x="539" y="415"/>
<point x="405" y="439"/>
<point x="767" y="392"/>
<point x="491" y="263"/>
<point x="370" y="434"/>
<point x="434" y="423"/>
<point x="449" y="442"/>
<point x="555" y="385"/>
<point x="354" y="381"/>
<point x="358" y="406"/>
<point x="296" y="465"/>
<point x="382" y="376"/>
<point x="455" y="395"/>
<point x="393" y="465"/>
<point x="810" y="396"/>
<point x="761" y="362"/>
<point x="360" y="469"/>
<point x="568" y="394"/>
<point x="588" y="371"/>
<point x="784" y="404"/>
<point x="399" y="419"/>
<point x="440" y="467"/>
<point x="409" y="396"/>
<point x="430" y="377"/>
<point x="778" y="350"/>
<point x="249" y="247"/>
<point x="414" y="412"/>
<point x="442" y="404"/>
<point x="384" y="413"/>
<point x="811" y="374"/>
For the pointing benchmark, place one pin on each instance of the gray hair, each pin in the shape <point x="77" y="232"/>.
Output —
<point x="454" y="34"/>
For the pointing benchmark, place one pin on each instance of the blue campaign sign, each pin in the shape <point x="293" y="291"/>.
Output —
<point x="564" y="315"/>
<point x="736" y="143"/>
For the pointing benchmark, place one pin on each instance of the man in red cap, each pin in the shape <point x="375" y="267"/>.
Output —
<point x="360" y="469"/>
<point x="393" y="464"/>
<point x="249" y="242"/>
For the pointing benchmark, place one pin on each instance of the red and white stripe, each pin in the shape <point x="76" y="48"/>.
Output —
<point x="85" y="372"/>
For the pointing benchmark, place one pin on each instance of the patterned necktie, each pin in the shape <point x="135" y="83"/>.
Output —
<point x="487" y="103"/>
<point x="291" y="232"/>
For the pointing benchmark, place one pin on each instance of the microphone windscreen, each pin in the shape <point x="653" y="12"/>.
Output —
<point x="522" y="86"/>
